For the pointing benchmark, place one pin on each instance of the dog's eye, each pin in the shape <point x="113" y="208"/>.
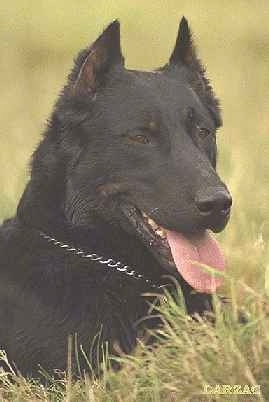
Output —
<point x="141" y="138"/>
<point x="203" y="132"/>
<point x="140" y="135"/>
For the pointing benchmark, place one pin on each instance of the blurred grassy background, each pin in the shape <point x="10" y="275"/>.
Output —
<point x="39" y="40"/>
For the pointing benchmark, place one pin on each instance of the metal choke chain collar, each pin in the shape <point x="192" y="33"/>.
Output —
<point x="106" y="262"/>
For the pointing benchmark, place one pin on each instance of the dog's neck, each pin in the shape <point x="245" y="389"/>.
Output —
<point x="39" y="208"/>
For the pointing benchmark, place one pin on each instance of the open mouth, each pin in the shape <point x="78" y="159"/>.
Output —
<point x="197" y="257"/>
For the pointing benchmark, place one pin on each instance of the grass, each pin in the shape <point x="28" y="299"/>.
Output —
<point x="39" y="40"/>
<point x="188" y="357"/>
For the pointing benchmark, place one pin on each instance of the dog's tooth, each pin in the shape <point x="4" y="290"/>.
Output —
<point x="160" y="232"/>
<point x="157" y="229"/>
<point x="152" y="223"/>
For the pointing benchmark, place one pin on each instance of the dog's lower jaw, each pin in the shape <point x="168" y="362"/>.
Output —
<point x="155" y="265"/>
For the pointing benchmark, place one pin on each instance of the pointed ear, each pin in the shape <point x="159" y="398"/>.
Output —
<point x="184" y="50"/>
<point x="184" y="54"/>
<point x="104" y="53"/>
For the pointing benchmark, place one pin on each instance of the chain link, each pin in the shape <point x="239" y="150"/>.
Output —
<point x="109" y="262"/>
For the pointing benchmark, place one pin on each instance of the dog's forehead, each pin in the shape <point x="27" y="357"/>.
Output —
<point x="151" y="91"/>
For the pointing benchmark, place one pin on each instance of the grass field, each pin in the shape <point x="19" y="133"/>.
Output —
<point x="38" y="42"/>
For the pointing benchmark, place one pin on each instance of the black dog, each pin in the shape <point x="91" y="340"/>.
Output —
<point x="122" y="191"/>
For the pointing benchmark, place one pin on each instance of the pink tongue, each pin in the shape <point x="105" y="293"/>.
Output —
<point x="190" y="253"/>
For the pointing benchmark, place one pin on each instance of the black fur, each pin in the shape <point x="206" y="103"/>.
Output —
<point x="116" y="137"/>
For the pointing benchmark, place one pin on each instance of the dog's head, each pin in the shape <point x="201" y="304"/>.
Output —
<point x="145" y="144"/>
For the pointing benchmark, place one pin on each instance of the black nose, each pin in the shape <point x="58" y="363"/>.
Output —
<point x="214" y="204"/>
